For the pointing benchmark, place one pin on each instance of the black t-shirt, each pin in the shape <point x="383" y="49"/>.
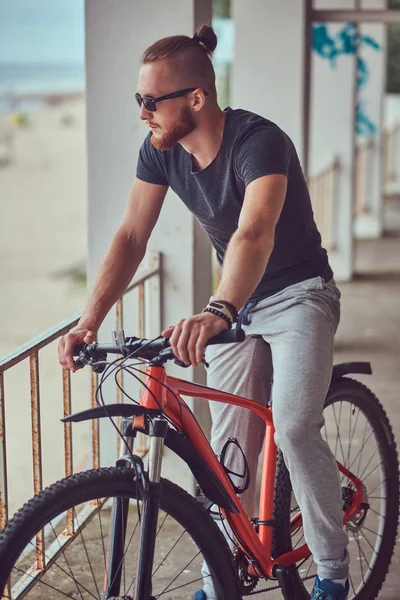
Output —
<point x="251" y="147"/>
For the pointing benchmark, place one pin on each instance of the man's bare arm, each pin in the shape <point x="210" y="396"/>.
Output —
<point x="244" y="265"/>
<point x="119" y="264"/>
<point x="251" y="245"/>
<point x="126" y="251"/>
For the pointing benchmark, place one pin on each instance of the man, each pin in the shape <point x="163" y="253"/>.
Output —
<point x="240" y="176"/>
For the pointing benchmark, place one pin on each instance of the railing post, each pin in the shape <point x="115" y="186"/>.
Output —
<point x="36" y="448"/>
<point x="68" y="455"/>
<point x="3" y="458"/>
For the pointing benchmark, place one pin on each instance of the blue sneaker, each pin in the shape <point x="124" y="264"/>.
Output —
<point x="328" y="590"/>
<point x="200" y="595"/>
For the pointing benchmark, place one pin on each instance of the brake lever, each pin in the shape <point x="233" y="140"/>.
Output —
<point x="180" y="363"/>
<point x="83" y="359"/>
<point x="167" y="353"/>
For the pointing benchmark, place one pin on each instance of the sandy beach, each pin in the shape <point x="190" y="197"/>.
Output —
<point x="43" y="221"/>
<point x="42" y="247"/>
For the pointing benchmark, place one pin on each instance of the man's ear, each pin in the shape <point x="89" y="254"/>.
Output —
<point x="198" y="99"/>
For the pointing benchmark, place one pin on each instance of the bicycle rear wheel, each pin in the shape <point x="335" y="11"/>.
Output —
<point x="186" y="535"/>
<point x="360" y="436"/>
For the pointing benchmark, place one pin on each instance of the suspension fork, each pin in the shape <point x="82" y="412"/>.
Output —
<point x="119" y="519"/>
<point x="151" y="505"/>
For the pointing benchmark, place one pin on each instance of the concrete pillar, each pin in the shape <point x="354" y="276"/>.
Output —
<point x="267" y="71"/>
<point x="117" y="33"/>
<point x="369" y="123"/>
<point x="332" y="127"/>
<point x="268" y="77"/>
<point x="392" y="150"/>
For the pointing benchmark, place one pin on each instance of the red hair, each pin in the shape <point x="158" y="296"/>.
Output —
<point x="203" y="40"/>
<point x="190" y="58"/>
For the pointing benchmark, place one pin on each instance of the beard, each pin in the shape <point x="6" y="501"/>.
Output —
<point x="182" y="125"/>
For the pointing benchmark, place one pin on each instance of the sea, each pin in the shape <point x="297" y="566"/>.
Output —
<point x="22" y="80"/>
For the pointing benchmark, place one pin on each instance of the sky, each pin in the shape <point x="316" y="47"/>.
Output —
<point x="42" y="31"/>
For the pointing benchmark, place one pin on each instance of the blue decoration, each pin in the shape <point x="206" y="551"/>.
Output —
<point x="346" y="42"/>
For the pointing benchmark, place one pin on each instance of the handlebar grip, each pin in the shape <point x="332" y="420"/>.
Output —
<point x="228" y="337"/>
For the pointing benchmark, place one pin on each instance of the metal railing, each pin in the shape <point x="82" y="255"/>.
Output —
<point x="147" y="282"/>
<point x="324" y="189"/>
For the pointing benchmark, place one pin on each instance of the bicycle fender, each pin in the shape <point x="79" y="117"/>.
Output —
<point x="342" y="369"/>
<point x="111" y="410"/>
<point x="176" y="441"/>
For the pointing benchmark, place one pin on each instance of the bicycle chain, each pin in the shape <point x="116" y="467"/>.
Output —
<point x="276" y="587"/>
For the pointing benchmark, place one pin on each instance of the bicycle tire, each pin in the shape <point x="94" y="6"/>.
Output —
<point x="376" y="416"/>
<point x="118" y="482"/>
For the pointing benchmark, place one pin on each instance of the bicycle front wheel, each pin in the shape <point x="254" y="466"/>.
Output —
<point x="56" y="545"/>
<point x="359" y="435"/>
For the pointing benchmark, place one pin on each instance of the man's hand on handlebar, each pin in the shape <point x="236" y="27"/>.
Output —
<point x="78" y="335"/>
<point x="188" y="338"/>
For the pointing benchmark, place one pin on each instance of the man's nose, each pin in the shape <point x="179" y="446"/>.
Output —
<point x="145" y="114"/>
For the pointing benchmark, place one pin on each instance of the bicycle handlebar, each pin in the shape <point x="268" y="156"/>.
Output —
<point x="143" y="348"/>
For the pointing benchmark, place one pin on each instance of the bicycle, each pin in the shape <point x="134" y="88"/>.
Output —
<point x="134" y="504"/>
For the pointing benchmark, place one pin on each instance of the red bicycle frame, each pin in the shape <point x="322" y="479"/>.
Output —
<point x="258" y="544"/>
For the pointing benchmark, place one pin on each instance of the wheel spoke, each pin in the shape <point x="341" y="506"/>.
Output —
<point x="338" y="438"/>
<point x="123" y="559"/>
<point x="349" y="443"/>
<point x="66" y="560"/>
<point x="360" y="557"/>
<point x="42" y="582"/>
<point x="87" y="555"/>
<point x="372" y="531"/>
<point x="55" y="564"/>
<point x="102" y="538"/>
<point x="376" y="512"/>
<point x="377" y="485"/>
<point x="373" y="470"/>
<point x="358" y="455"/>
<point x="365" y="558"/>
<point x="352" y="584"/>
<point x="180" y="573"/>
<point x="309" y="568"/>
<point x="355" y="424"/>
<point x="298" y="541"/>
<point x="364" y="441"/>
<point x="178" y="587"/>
<point x="162" y="524"/>
<point x="166" y="556"/>
<point x="368" y="542"/>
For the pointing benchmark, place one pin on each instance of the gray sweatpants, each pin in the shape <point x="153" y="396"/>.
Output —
<point x="298" y="324"/>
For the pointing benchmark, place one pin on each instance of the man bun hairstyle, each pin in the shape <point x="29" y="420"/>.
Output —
<point x="207" y="39"/>
<point x="204" y="39"/>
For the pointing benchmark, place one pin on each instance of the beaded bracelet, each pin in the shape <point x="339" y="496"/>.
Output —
<point x="220" y="314"/>
<point x="224" y="306"/>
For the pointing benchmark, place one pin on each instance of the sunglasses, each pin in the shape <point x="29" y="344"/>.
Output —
<point x="150" y="103"/>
